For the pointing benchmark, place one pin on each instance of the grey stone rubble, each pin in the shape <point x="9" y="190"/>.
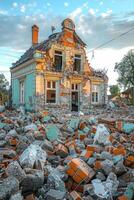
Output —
<point x="38" y="149"/>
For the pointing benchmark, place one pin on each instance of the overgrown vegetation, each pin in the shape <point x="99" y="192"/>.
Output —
<point x="125" y="69"/>
<point x="4" y="91"/>
<point x="114" y="90"/>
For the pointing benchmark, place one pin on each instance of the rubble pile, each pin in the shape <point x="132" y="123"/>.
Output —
<point x="66" y="157"/>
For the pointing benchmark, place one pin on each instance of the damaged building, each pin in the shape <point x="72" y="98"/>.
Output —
<point x="55" y="74"/>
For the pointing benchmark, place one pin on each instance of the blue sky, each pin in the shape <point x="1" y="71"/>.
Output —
<point x="97" y="21"/>
<point x="30" y="7"/>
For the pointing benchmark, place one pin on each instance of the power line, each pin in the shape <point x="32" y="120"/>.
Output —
<point x="98" y="47"/>
<point x="103" y="44"/>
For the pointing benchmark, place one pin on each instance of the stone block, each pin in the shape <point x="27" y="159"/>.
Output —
<point x="55" y="195"/>
<point x="14" y="169"/>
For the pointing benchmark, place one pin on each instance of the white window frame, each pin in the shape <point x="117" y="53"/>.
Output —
<point x="22" y="92"/>
<point x="96" y="96"/>
<point x="95" y="89"/>
<point x="50" y="88"/>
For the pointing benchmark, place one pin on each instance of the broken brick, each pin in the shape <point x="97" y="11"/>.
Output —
<point x="75" y="196"/>
<point x="93" y="148"/>
<point x="13" y="141"/>
<point x="61" y="150"/>
<point x="97" y="165"/>
<point x="129" y="161"/>
<point x="86" y="154"/>
<point x="123" y="198"/>
<point x="82" y="136"/>
<point x="94" y="129"/>
<point x="82" y="125"/>
<point x="30" y="197"/>
<point x="79" y="170"/>
<point x="119" y="151"/>
<point x="78" y="188"/>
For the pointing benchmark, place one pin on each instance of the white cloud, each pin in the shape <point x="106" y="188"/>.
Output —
<point x="21" y="26"/>
<point x="93" y="30"/>
<point x="42" y="16"/>
<point x="3" y="12"/>
<point x="66" y="4"/>
<point x="101" y="3"/>
<point x="92" y="11"/>
<point x="81" y="26"/>
<point x="23" y="8"/>
<point x="15" y="4"/>
<point x="106" y="58"/>
<point x="107" y="13"/>
<point x="34" y="19"/>
<point x="27" y="17"/>
<point x="75" y="13"/>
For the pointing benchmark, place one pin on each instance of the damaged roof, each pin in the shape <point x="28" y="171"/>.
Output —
<point x="43" y="46"/>
<point x="101" y="74"/>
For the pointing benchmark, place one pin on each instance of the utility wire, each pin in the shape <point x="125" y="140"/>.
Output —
<point x="98" y="47"/>
<point x="103" y="44"/>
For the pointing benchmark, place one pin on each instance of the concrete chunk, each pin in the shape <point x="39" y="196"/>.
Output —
<point x="8" y="187"/>
<point x="17" y="196"/>
<point x="55" y="195"/>
<point x="15" y="170"/>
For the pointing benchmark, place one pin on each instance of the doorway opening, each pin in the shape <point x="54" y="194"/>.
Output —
<point x="75" y="97"/>
<point x="75" y="101"/>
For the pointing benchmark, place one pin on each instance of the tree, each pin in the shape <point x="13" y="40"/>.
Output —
<point x="114" y="90"/>
<point x="125" y="69"/>
<point x="3" y="89"/>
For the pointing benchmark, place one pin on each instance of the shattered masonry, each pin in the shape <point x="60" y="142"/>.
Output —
<point x="67" y="157"/>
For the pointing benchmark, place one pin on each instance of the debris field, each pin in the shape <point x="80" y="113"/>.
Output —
<point x="58" y="156"/>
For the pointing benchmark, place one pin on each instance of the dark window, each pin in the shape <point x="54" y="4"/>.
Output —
<point x="72" y="86"/>
<point x="58" y="52"/>
<point x="58" y="60"/>
<point x="51" y="84"/>
<point x="48" y="84"/>
<point x="96" y="96"/>
<point x="76" y="86"/>
<point x="77" y="63"/>
<point x="51" y="96"/>
<point x="93" y="94"/>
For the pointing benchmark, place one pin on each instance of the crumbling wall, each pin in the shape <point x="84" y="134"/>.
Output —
<point x="68" y="73"/>
<point x="85" y="95"/>
<point x="66" y="77"/>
